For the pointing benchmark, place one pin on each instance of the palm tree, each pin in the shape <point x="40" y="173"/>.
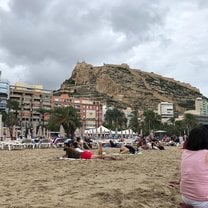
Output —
<point x="11" y="118"/>
<point x="189" y="121"/>
<point x="152" y="120"/>
<point x="68" y="117"/>
<point x="10" y="122"/>
<point x="115" y="119"/>
<point x="13" y="106"/>
<point x="179" y="127"/>
<point x="43" y="112"/>
<point x="134" y="122"/>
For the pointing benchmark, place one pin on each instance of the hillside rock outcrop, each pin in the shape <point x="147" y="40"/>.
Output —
<point x="121" y="86"/>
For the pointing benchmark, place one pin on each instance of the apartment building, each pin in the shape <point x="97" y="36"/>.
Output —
<point x="30" y="98"/>
<point x="4" y="93"/>
<point x="90" y="111"/>
<point x="166" y="111"/>
<point x="200" y="112"/>
<point x="201" y="106"/>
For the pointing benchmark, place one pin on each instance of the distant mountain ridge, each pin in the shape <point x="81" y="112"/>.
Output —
<point x="121" y="86"/>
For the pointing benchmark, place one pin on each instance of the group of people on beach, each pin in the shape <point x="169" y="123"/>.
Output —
<point x="139" y="144"/>
<point x="194" y="163"/>
<point x="81" y="149"/>
<point x="76" y="150"/>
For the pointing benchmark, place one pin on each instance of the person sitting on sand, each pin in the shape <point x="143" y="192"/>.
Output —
<point x="77" y="147"/>
<point x="112" y="143"/>
<point x="156" y="144"/>
<point x="194" y="169"/>
<point x="143" y="144"/>
<point x="87" y="143"/>
<point x="79" y="143"/>
<point x="84" y="144"/>
<point x="71" y="152"/>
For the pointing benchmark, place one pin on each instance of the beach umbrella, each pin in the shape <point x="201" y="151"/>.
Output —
<point x="1" y="128"/>
<point x="29" y="134"/>
<point x="141" y="133"/>
<point x="96" y="132"/>
<point x="47" y="133"/>
<point x="40" y="132"/>
<point x="22" y="132"/>
<point x="110" y="134"/>
<point x="62" y="131"/>
<point x="1" y="132"/>
<point x="100" y="131"/>
<point x="121" y="133"/>
<point x="93" y="132"/>
<point x="14" y="132"/>
<point x="77" y="132"/>
<point x="125" y="133"/>
<point x="159" y="131"/>
<point x="44" y="131"/>
<point x="129" y="132"/>
<point x="7" y="133"/>
<point x="116" y="132"/>
<point x="34" y="129"/>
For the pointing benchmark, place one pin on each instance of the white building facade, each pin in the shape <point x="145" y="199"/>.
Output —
<point x="4" y="93"/>
<point x="201" y="106"/>
<point x="166" y="111"/>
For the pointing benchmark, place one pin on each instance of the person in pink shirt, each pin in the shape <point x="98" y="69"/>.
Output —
<point x="194" y="169"/>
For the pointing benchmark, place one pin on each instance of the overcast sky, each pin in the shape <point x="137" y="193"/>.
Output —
<point x="42" y="40"/>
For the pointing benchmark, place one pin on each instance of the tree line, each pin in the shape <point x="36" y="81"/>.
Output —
<point x="114" y="119"/>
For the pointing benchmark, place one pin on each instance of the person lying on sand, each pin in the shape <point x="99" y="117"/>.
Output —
<point x="74" y="152"/>
<point x="157" y="145"/>
<point x="127" y="149"/>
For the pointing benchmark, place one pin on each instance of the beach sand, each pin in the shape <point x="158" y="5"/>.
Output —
<point x="37" y="178"/>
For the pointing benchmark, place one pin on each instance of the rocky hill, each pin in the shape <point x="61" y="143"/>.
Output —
<point x="121" y="86"/>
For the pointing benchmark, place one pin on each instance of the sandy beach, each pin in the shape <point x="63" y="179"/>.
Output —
<point x="37" y="178"/>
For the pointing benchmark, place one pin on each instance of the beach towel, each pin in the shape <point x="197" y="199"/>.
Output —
<point x="139" y="153"/>
<point x="67" y="158"/>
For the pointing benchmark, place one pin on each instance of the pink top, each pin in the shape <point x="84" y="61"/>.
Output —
<point x="194" y="175"/>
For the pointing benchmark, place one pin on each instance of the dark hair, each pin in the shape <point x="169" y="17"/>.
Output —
<point x="78" y="139"/>
<point x="75" y="144"/>
<point x="205" y="126"/>
<point x="197" y="139"/>
<point x="67" y="144"/>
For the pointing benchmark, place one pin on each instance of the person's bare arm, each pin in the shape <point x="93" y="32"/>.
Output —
<point x="124" y="150"/>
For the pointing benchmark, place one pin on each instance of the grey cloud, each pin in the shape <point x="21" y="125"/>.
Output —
<point x="25" y="8"/>
<point x="48" y="37"/>
<point x="58" y="29"/>
<point x="57" y="35"/>
<point x="49" y="73"/>
<point x="203" y="4"/>
<point x="137" y="19"/>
